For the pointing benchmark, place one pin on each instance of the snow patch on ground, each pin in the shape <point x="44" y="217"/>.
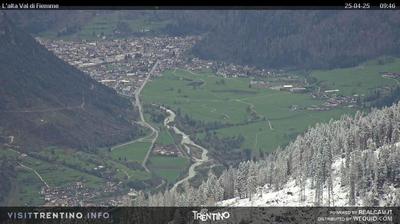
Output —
<point x="290" y="194"/>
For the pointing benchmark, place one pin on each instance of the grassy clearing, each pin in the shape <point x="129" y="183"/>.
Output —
<point x="165" y="137"/>
<point x="26" y="186"/>
<point x="26" y="189"/>
<point x="7" y="153"/>
<point x="71" y="157"/>
<point x="358" y="80"/>
<point x="258" y="136"/>
<point x="90" y="161"/>
<point x="168" y="167"/>
<point x="132" y="152"/>
<point x="57" y="175"/>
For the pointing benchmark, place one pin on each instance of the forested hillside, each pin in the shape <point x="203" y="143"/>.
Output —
<point x="46" y="102"/>
<point x="300" y="39"/>
<point x="7" y="172"/>
<point x="364" y="146"/>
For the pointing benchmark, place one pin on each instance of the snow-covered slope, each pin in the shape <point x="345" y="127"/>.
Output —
<point x="290" y="193"/>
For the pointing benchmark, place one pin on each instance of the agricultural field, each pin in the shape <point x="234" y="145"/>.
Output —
<point x="259" y="137"/>
<point x="205" y="97"/>
<point x="26" y="189"/>
<point x="54" y="175"/>
<point x="165" y="137"/>
<point x="135" y="151"/>
<point x="361" y="79"/>
<point x="26" y="185"/>
<point x="168" y="167"/>
<point x="67" y="166"/>
<point x="89" y="161"/>
<point x="57" y="175"/>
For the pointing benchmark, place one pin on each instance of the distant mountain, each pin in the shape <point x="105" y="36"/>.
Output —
<point x="44" y="101"/>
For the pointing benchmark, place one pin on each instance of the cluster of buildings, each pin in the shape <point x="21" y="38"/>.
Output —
<point x="166" y="150"/>
<point x="122" y="64"/>
<point x="233" y="70"/>
<point x="75" y="194"/>
<point x="227" y="70"/>
<point x="393" y="75"/>
<point x="78" y="194"/>
<point x="297" y="88"/>
<point x="196" y="64"/>
<point x="340" y="101"/>
<point x="333" y="102"/>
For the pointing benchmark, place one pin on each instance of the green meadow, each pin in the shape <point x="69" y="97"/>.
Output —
<point x="135" y="151"/>
<point x="27" y="185"/>
<point x="67" y="166"/>
<point x="204" y="97"/>
<point x="165" y="137"/>
<point x="359" y="80"/>
<point x="168" y="167"/>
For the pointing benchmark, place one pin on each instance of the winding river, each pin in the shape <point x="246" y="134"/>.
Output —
<point x="185" y="142"/>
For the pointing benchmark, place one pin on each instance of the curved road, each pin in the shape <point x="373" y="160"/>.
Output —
<point x="35" y="172"/>
<point x="30" y="168"/>
<point x="142" y="139"/>
<point x="143" y="122"/>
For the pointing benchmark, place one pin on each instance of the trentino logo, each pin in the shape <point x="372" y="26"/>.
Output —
<point x="204" y="215"/>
